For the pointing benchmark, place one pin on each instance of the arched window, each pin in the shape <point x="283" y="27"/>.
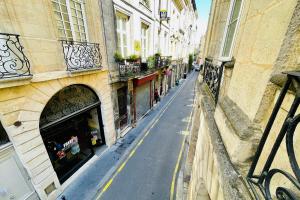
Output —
<point x="71" y="128"/>
<point x="3" y="135"/>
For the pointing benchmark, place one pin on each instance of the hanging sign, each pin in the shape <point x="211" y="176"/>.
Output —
<point x="163" y="15"/>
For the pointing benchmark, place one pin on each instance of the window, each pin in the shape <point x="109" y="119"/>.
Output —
<point x="144" y="40"/>
<point x="230" y="29"/>
<point x="166" y="45"/>
<point x="122" y="34"/>
<point x="71" y="21"/>
<point x="3" y="136"/>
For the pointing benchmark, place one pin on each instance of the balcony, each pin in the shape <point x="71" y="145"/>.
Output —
<point x="13" y="62"/>
<point x="165" y="61"/>
<point x="263" y="172"/>
<point x="81" y="56"/>
<point x="130" y="69"/>
<point x="213" y="77"/>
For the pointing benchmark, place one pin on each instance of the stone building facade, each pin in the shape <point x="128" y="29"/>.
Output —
<point x="248" y="45"/>
<point x="150" y="28"/>
<point x="53" y="70"/>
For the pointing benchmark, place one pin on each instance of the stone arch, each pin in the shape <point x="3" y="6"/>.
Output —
<point x="71" y="127"/>
<point x="68" y="100"/>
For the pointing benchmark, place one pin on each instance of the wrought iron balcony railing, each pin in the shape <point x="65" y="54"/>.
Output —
<point x="13" y="62"/>
<point x="260" y="183"/>
<point x="162" y="61"/>
<point x="81" y="55"/>
<point x="134" y="69"/>
<point x="129" y="69"/>
<point x="213" y="77"/>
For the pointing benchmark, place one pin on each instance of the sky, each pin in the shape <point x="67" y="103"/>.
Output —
<point x="203" y="8"/>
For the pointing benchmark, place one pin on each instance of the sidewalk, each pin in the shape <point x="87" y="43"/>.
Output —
<point x="99" y="170"/>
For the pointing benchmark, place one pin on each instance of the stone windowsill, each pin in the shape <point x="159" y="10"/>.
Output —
<point x="63" y="74"/>
<point x="85" y="71"/>
<point x="45" y="76"/>
<point x="15" y="81"/>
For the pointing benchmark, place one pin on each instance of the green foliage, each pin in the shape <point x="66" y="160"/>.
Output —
<point x="157" y="54"/>
<point x="151" y="61"/>
<point x="133" y="58"/>
<point x="118" y="57"/>
<point x="191" y="61"/>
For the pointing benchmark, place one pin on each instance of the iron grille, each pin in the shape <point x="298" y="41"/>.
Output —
<point x="162" y="61"/>
<point x="260" y="184"/>
<point x="81" y="55"/>
<point x="13" y="62"/>
<point x="129" y="69"/>
<point x="213" y="77"/>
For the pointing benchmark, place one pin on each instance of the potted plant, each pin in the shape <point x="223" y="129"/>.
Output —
<point x="118" y="57"/>
<point x="133" y="58"/>
<point x="151" y="61"/>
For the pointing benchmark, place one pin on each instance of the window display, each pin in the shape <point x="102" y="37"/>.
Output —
<point x="71" y="128"/>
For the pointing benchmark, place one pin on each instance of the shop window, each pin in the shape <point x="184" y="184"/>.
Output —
<point x="71" y="128"/>
<point x="3" y="136"/>
<point x="230" y="29"/>
<point x="122" y="34"/>
<point x="71" y="20"/>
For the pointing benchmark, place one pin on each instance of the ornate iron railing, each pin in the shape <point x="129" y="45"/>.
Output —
<point x="13" y="62"/>
<point x="213" y="77"/>
<point x="129" y="69"/>
<point x="261" y="184"/>
<point x="162" y="61"/>
<point x="165" y="61"/>
<point x="81" y="55"/>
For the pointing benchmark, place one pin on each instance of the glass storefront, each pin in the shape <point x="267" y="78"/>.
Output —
<point x="72" y="132"/>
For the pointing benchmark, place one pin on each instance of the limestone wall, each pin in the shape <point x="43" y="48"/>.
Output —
<point x="35" y="22"/>
<point x="213" y="175"/>
<point x="260" y="35"/>
<point x="266" y="44"/>
<point x="25" y="104"/>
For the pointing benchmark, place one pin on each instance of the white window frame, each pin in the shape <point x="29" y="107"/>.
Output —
<point x="81" y="2"/>
<point x="119" y="14"/>
<point x="229" y="57"/>
<point x="146" y="38"/>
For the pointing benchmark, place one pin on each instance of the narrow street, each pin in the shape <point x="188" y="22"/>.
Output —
<point x="148" y="173"/>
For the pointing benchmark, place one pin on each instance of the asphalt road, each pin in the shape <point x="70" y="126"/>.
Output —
<point x="148" y="172"/>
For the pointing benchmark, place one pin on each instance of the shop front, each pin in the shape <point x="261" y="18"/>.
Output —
<point x="144" y="89"/>
<point x="71" y="128"/>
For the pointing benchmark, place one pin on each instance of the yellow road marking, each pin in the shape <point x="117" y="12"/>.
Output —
<point x="122" y="166"/>
<point x="179" y="158"/>
<point x="140" y="142"/>
<point x="108" y="184"/>
<point x="132" y="152"/>
<point x="134" y="149"/>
